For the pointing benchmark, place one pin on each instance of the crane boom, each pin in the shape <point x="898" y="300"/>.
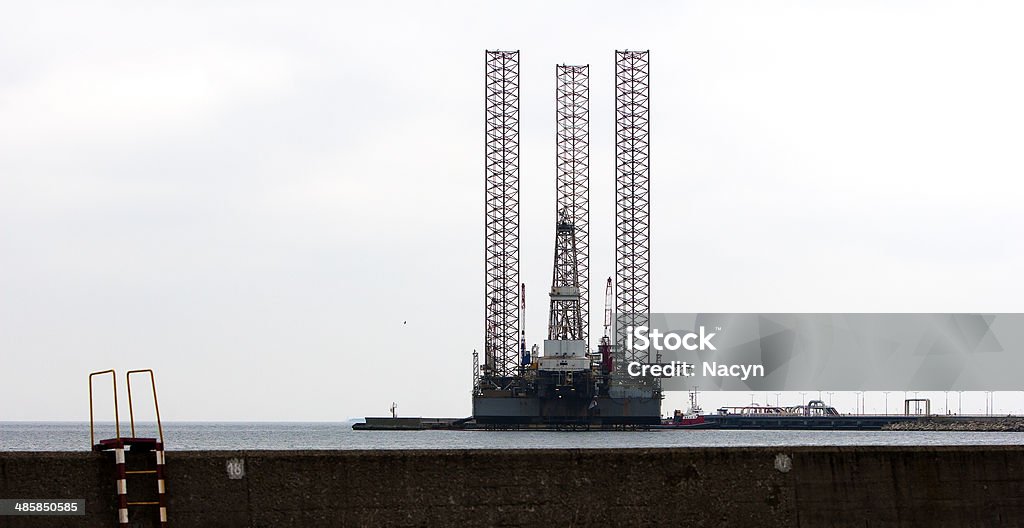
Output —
<point x="605" y="348"/>
<point x="609" y="299"/>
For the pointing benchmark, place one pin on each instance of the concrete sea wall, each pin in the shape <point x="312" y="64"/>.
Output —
<point x="976" y="486"/>
<point x="1004" y="424"/>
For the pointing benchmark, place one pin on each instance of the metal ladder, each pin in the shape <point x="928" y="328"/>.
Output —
<point x="134" y="444"/>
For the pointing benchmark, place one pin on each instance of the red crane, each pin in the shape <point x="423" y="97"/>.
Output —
<point x="605" y="348"/>
<point x="524" y="356"/>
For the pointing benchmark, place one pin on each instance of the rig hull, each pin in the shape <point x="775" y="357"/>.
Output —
<point x="525" y="410"/>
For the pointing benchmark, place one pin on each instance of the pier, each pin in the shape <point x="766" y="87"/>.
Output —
<point x="773" y="487"/>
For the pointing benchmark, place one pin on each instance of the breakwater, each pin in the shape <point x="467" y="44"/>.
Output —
<point x="1008" y="424"/>
<point x="749" y="487"/>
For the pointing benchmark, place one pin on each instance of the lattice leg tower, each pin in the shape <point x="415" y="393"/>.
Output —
<point x="632" y="199"/>
<point x="572" y="182"/>
<point x="501" y="210"/>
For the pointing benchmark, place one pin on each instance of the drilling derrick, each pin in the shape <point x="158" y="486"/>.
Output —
<point x="501" y="219"/>
<point x="566" y="321"/>
<point x="632" y="202"/>
<point x="564" y="377"/>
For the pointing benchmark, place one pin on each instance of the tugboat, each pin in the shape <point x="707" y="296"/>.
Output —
<point x="692" y="418"/>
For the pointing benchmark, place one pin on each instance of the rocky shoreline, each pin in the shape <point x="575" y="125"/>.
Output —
<point x="1008" y="424"/>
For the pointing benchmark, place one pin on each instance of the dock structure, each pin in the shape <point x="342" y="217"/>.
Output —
<point x="778" y="487"/>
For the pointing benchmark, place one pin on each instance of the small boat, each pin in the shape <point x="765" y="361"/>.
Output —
<point x="692" y="418"/>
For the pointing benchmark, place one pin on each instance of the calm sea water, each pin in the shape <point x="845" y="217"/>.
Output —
<point x="74" y="436"/>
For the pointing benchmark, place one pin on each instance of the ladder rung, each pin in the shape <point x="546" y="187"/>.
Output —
<point x="141" y="472"/>
<point x="143" y="503"/>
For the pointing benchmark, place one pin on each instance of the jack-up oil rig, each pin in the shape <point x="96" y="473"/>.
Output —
<point x="565" y="383"/>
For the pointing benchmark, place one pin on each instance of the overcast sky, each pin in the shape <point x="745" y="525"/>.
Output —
<point x="280" y="208"/>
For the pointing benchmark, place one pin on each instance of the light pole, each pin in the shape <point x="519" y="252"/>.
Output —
<point x="830" y="398"/>
<point x="960" y="405"/>
<point x="803" y="398"/>
<point x="858" y="393"/>
<point x="752" y="394"/>
<point x="945" y="400"/>
<point x="886" y="401"/>
<point x="777" y="394"/>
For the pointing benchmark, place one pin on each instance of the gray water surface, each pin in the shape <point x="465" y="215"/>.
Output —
<point x="74" y="436"/>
